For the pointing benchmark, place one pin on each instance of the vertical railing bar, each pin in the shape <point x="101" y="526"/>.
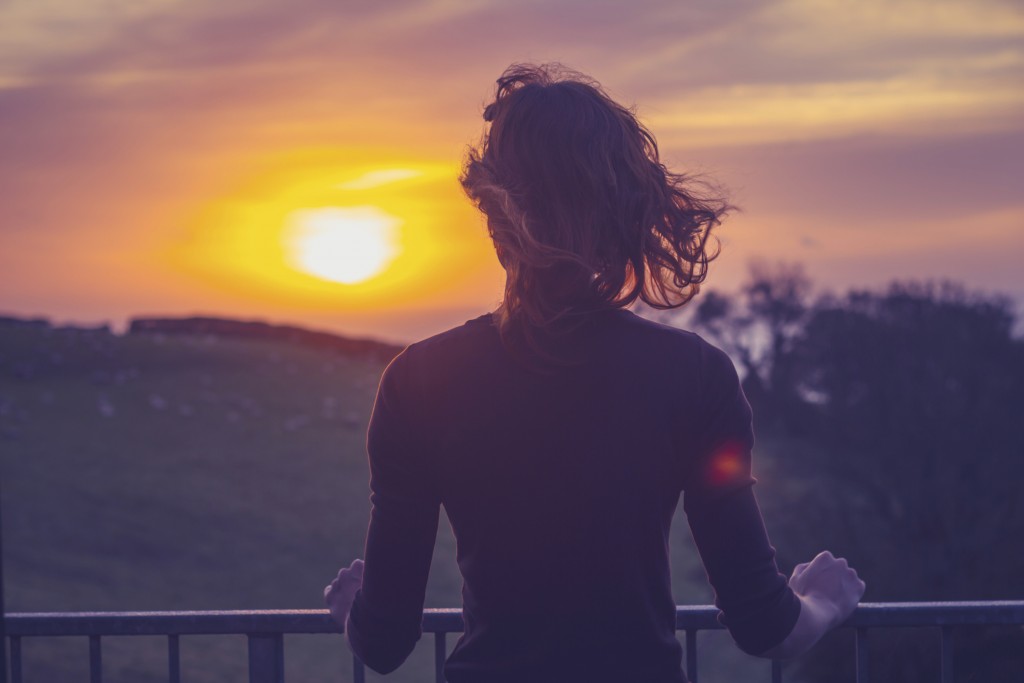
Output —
<point x="358" y="670"/>
<point x="95" y="660"/>
<point x="861" y="646"/>
<point x="173" y="659"/>
<point x="440" y="653"/>
<point x="776" y="671"/>
<point x="280" y="657"/>
<point x="691" y="654"/>
<point x="15" y="659"/>
<point x="266" y="657"/>
<point x="946" y="647"/>
<point x="3" y="613"/>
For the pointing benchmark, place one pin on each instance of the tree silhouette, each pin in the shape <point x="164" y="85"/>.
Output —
<point x="901" y="412"/>
<point x="757" y="328"/>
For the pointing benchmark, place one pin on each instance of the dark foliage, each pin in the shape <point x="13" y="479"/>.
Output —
<point x="903" y="409"/>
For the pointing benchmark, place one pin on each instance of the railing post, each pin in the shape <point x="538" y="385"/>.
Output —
<point x="266" y="658"/>
<point x="776" y="671"/>
<point x="95" y="660"/>
<point x="3" y="613"/>
<point x="691" y="655"/>
<point x="861" y="646"/>
<point x="15" y="659"/>
<point x="440" y="653"/>
<point x="173" y="659"/>
<point x="946" y="652"/>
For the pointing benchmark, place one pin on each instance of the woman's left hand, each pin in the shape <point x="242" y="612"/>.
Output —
<point x="340" y="592"/>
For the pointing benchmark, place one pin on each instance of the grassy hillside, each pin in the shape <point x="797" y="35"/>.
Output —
<point x="149" y="472"/>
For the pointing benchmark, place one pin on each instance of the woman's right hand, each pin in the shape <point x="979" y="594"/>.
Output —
<point x="830" y="583"/>
<point x="828" y="590"/>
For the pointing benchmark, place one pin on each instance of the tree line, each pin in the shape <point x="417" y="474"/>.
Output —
<point x="898" y="420"/>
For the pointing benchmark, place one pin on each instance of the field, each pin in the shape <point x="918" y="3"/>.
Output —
<point x="166" y="472"/>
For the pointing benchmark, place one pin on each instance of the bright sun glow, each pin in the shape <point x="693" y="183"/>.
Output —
<point x="341" y="244"/>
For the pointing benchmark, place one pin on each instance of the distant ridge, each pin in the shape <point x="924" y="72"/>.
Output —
<point x="40" y="323"/>
<point x="225" y="327"/>
<point x="255" y="329"/>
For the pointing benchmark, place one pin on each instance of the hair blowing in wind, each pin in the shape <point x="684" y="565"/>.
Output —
<point x="583" y="214"/>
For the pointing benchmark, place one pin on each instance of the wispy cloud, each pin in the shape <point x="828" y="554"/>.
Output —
<point x="774" y="113"/>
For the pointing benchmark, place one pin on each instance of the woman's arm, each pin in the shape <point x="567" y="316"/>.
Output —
<point x="767" y="615"/>
<point x="384" y="597"/>
<point x="758" y="606"/>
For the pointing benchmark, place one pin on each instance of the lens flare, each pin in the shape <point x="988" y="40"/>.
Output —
<point x="726" y="466"/>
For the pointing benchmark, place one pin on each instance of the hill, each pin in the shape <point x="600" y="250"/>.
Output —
<point x="255" y="329"/>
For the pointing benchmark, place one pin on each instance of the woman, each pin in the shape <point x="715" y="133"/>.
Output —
<point x="560" y="430"/>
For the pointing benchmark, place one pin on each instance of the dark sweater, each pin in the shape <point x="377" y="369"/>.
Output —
<point x="560" y="488"/>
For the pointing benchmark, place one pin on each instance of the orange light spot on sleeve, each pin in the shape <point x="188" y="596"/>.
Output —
<point x="726" y="464"/>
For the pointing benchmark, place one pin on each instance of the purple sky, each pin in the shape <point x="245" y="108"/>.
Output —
<point x="870" y="140"/>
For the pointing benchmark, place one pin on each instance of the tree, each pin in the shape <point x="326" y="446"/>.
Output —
<point x="757" y="329"/>
<point x="915" y="397"/>
<point x="900" y="416"/>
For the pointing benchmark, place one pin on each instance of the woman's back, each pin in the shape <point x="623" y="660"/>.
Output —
<point x="559" y="431"/>
<point x="560" y="487"/>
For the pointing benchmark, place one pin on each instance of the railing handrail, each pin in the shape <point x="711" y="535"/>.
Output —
<point x="698" y="617"/>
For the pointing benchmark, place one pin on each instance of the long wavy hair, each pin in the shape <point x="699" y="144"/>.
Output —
<point x="583" y="214"/>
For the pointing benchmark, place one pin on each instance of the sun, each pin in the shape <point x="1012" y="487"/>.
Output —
<point x="341" y="244"/>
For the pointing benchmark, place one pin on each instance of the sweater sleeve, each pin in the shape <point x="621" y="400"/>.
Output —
<point x="385" y="621"/>
<point x="756" y="603"/>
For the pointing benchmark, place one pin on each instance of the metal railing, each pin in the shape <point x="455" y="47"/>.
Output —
<point x="265" y="631"/>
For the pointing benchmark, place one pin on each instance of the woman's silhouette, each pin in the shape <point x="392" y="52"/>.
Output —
<point x="560" y="430"/>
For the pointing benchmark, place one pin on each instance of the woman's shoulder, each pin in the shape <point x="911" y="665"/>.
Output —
<point x="679" y="339"/>
<point x="455" y="341"/>
<point x="684" y="349"/>
<point x="480" y="326"/>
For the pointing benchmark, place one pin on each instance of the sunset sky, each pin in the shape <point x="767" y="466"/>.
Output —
<point x="170" y="158"/>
